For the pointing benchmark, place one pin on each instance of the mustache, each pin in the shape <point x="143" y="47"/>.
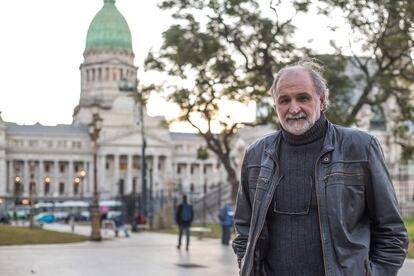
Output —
<point x="301" y="115"/>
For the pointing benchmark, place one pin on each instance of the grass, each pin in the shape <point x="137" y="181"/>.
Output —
<point x="409" y="224"/>
<point x="13" y="235"/>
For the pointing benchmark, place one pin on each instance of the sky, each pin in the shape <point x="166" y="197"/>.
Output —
<point x="41" y="49"/>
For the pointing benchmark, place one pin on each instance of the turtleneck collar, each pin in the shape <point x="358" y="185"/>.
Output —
<point x="317" y="131"/>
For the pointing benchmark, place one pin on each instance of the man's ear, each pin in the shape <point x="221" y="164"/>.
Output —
<point x="322" y="100"/>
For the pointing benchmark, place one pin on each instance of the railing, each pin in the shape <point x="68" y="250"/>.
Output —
<point x="207" y="207"/>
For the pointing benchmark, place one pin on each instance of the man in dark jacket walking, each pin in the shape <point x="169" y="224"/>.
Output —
<point x="184" y="217"/>
<point x="315" y="198"/>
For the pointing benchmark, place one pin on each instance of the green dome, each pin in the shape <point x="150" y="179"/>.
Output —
<point x="109" y="29"/>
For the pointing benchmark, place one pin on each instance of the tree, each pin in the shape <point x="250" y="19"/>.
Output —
<point x="383" y="29"/>
<point x="229" y="53"/>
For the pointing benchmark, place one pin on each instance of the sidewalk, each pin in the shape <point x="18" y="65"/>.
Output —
<point x="142" y="254"/>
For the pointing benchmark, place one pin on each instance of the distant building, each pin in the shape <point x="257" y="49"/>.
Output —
<point x="56" y="162"/>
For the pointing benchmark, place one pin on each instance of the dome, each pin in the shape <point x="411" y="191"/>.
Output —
<point x="108" y="29"/>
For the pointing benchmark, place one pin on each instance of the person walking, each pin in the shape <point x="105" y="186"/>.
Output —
<point x="184" y="217"/>
<point x="225" y="216"/>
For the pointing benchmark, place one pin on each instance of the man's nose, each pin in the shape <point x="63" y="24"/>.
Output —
<point x="294" y="107"/>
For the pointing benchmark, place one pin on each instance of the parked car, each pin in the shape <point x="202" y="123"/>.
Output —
<point x="45" y="218"/>
<point x="76" y="217"/>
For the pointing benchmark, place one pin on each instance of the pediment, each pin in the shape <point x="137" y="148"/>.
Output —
<point x="134" y="138"/>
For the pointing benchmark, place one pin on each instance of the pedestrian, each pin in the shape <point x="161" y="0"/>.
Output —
<point x="72" y="222"/>
<point x="120" y="226"/>
<point x="184" y="217"/>
<point x="225" y="216"/>
<point x="315" y="198"/>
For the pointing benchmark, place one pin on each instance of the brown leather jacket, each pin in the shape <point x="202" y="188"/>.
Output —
<point x="362" y="231"/>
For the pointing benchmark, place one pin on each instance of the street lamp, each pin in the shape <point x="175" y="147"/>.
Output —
<point x="128" y="86"/>
<point x="94" y="128"/>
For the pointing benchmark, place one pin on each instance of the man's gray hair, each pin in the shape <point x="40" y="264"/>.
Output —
<point x="314" y="69"/>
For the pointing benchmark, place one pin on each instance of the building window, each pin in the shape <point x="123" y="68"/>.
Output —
<point x="47" y="167"/>
<point x="62" y="168"/>
<point x="47" y="188"/>
<point x="76" y="144"/>
<point x="32" y="187"/>
<point x="75" y="188"/>
<point x="178" y="169"/>
<point x="99" y="74"/>
<point x="61" y="188"/>
<point x="121" y="187"/>
<point x="192" y="187"/>
<point x="191" y="169"/>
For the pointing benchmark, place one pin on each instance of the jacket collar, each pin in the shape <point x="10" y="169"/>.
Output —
<point x="272" y="146"/>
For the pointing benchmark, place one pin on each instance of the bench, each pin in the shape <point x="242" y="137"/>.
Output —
<point x="110" y="224"/>
<point x="200" y="231"/>
<point x="143" y="226"/>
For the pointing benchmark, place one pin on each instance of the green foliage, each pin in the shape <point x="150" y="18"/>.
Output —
<point x="202" y="153"/>
<point x="384" y="31"/>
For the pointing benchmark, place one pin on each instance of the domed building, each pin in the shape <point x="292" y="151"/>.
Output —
<point x="56" y="162"/>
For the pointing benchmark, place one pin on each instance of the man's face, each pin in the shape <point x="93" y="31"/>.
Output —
<point x="297" y="104"/>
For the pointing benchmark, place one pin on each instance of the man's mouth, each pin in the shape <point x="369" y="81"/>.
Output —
<point x="295" y="118"/>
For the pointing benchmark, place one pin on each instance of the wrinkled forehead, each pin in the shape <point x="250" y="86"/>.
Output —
<point x="294" y="77"/>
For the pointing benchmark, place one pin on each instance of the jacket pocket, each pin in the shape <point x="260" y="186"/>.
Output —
<point x="349" y="226"/>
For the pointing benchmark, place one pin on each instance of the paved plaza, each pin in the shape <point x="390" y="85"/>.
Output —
<point x="143" y="253"/>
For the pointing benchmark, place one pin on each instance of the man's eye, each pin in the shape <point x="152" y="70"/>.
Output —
<point x="283" y="101"/>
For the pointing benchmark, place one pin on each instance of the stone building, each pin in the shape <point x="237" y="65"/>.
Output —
<point x="56" y="162"/>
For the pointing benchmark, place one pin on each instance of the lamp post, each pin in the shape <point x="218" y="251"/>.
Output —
<point x="81" y="176"/>
<point x="128" y="86"/>
<point x="94" y="128"/>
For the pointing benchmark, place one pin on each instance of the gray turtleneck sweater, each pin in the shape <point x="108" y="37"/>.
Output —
<point x="292" y="219"/>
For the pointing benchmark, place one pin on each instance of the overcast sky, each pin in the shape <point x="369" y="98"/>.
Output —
<point x="42" y="44"/>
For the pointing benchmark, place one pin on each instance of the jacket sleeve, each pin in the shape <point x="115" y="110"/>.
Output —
<point x="242" y="215"/>
<point x="389" y="240"/>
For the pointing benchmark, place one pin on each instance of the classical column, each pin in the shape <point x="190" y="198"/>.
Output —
<point x="128" y="180"/>
<point x="116" y="175"/>
<point x="26" y="177"/>
<point x="40" y="178"/>
<point x="155" y="174"/>
<point x="101" y="173"/>
<point x="3" y="176"/>
<point x="70" y="177"/>
<point x="201" y="177"/>
<point x="188" y="178"/>
<point x="55" y="179"/>
<point x="10" y="180"/>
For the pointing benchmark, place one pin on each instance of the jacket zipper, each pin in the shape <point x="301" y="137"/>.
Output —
<point x="319" y="213"/>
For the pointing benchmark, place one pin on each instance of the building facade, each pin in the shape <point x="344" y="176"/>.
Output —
<point x="56" y="162"/>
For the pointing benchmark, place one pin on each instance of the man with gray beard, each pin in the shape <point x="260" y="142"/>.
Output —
<point x="315" y="198"/>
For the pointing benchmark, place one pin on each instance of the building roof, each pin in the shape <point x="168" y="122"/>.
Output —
<point x="109" y="29"/>
<point x="12" y="128"/>
<point x="177" y="136"/>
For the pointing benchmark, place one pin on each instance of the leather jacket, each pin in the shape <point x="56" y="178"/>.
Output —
<point x="362" y="231"/>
